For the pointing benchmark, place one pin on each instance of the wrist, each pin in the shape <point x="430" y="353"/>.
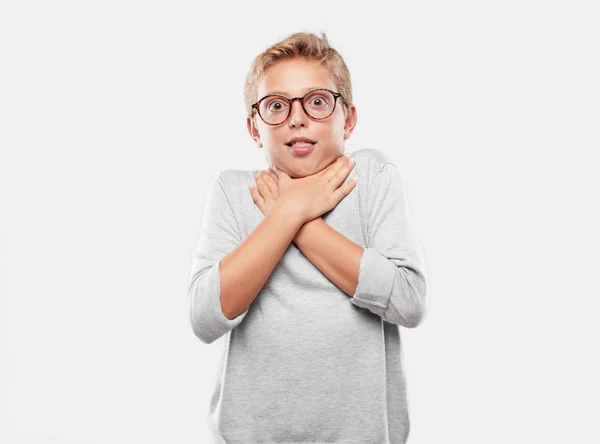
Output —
<point x="291" y="212"/>
<point x="304" y="229"/>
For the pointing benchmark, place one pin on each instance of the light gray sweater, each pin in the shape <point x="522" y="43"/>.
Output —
<point x="306" y="362"/>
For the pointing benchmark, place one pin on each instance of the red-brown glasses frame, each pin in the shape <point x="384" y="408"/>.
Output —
<point x="256" y="105"/>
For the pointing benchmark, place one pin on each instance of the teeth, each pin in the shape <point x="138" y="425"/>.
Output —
<point x="301" y="143"/>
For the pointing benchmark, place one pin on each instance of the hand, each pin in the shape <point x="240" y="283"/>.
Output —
<point x="266" y="191"/>
<point x="311" y="196"/>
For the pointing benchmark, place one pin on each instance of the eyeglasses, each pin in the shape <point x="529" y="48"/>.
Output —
<point x="318" y="104"/>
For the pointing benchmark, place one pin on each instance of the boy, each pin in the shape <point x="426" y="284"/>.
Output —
<point x="307" y="275"/>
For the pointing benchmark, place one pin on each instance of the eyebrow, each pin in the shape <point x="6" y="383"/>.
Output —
<point x="310" y="88"/>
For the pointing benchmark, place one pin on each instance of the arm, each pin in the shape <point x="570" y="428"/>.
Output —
<point x="334" y="254"/>
<point x="245" y="270"/>
<point x="391" y="278"/>
<point x="225" y="276"/>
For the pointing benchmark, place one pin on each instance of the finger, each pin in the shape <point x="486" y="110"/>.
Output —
<point x="282" y="175"/>
<point x="335" y="166"/>
<point x="272" y="183"/>
<point x="260" y="183"/>
<point x="340" y="172"/>
<point x="328" y="170"/>
<point x="256" y="197"/>
<point x="345" y="189"/>
<point x="273" y="174"/>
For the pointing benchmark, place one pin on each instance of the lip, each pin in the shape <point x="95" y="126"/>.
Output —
<point x="302" y="149"/>
<point x="301" y="139"/>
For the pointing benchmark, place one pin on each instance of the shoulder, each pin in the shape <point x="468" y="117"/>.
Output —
<point x="232" y="179"/>
<point x="234" y="185"/>
<point x="371" y="162"/>
<point x="373" y="155"/>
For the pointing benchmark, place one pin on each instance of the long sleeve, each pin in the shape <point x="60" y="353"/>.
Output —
<point x="218" y="236"/>
<point x="392" y="273"/>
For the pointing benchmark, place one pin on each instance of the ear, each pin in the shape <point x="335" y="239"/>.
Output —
<point x="350" y="121"/>
<point x="253" y="130"/>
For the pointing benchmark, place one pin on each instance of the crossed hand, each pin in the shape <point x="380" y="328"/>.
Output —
<point x="307" y="197"/>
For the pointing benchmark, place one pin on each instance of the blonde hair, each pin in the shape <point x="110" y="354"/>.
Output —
<point x="303" y="45"/>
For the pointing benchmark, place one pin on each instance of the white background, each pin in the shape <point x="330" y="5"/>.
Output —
<point x="115" y="115"/>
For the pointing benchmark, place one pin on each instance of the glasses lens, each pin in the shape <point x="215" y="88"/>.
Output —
<point x="319" y="105"/>
<point x="274" y="109"/>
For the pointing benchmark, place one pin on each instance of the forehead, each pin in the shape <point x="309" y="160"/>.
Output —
<point x="294" y="78"/>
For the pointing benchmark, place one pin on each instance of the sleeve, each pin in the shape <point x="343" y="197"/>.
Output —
<point x="392" y="273"/>
<point x="219" y="235"/>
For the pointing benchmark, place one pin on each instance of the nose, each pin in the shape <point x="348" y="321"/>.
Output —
<point x="297" y="114"/>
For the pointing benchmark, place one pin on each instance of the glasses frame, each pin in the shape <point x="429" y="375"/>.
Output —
<point x="256" y="105"/>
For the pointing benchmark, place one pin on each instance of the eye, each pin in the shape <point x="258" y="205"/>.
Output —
<point x="318" y="101"/>
<point x="276" y="105"/>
